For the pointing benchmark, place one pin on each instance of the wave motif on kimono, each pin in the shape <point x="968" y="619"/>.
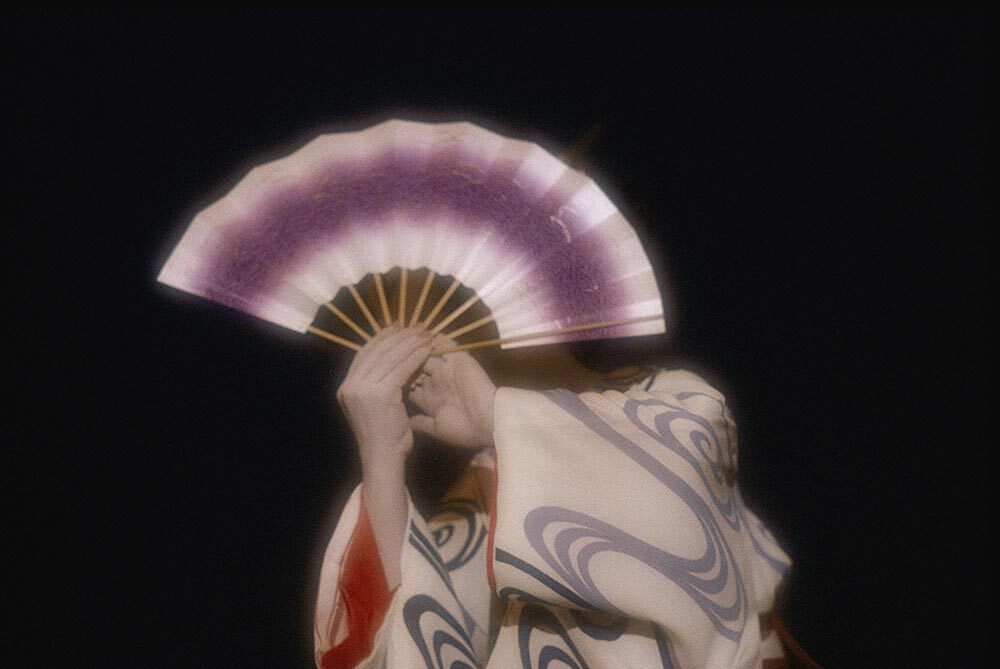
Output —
<point x="712" y="580"/>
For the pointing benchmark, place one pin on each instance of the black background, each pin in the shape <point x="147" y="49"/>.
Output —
<point x="813" y="182"/>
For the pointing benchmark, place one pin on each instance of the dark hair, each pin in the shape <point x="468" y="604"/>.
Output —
<point x="607" y="355"/>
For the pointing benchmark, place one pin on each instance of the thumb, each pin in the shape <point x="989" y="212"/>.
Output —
<point x="423" y="424"/>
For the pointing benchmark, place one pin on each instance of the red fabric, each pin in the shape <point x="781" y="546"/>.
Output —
<point x="493" y="530"/>
<point x="366" y="597"/>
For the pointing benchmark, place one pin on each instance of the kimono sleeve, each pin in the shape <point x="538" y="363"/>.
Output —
<point x="435" y="616"/>
<point x="620" y="536"/>
<point x="353" y="595"/>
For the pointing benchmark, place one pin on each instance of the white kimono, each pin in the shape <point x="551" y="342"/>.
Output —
<point x="617" y="539"/>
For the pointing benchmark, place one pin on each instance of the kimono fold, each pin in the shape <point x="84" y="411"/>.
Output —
<point x="605" y="530"/>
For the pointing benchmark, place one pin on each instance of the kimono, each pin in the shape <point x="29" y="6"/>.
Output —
<point x="605" y="529"/>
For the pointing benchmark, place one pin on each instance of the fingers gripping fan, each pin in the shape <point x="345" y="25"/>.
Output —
<point x="536" y="245"/>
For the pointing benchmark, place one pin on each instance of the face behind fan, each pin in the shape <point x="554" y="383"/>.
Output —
<point x="578" y="367"/>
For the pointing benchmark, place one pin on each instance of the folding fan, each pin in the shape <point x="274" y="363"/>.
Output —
<point x="534" y="241"/>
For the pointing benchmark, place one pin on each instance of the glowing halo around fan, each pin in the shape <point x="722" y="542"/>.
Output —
<point x="539" y="243"/>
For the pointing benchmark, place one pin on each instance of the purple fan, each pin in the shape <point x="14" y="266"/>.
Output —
<point x="539" y="244"/>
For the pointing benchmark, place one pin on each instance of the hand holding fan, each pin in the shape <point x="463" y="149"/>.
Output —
<point x="452" y="213"/>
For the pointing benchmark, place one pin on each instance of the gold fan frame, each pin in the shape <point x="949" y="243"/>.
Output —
<point x="416" y="316"/>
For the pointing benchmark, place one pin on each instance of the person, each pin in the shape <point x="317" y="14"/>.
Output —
<point x="598" y="524"/>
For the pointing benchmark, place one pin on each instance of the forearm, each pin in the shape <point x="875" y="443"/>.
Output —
<point x="387" y="503"/>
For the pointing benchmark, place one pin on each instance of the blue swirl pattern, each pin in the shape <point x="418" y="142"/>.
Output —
<point x="442" y="632"/>
<point x="707" y="451"/>
<point x="426" y="550"/>
<point x="534" y="617"/>
<point x="712" y="580"/>
<point x="459" y="540"/>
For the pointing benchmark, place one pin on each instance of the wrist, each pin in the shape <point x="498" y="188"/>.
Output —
<point x="384" y="465"/>
<point x="378" y="450"/>
<point x="383" y="479"/>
